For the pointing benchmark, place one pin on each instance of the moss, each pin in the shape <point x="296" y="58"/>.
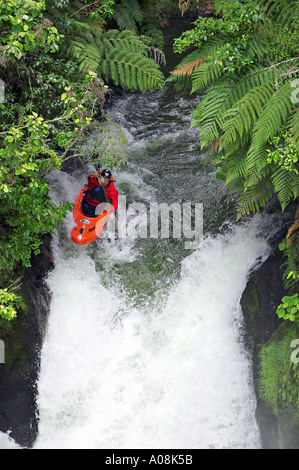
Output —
<point x="12" y="335"/>
<point x="278" y="382"/>
<point x="253" y="305"/>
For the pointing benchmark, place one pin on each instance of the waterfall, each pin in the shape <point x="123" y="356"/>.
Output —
<point x="168" y="371"/>
<point x="144" y="345"/>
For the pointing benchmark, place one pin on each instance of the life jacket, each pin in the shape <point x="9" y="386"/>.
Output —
<point x="95" y="196"/>
<point x="95" y="193"/>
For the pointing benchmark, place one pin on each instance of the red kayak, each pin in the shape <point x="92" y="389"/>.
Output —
<point x="87" y="229"/>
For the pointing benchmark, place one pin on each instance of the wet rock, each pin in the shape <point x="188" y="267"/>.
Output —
<point x="259" y="302"/>
<point x="23" y="340"/>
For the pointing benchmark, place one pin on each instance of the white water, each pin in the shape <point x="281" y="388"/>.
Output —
<point x="7" y="443"/>
<point x="166" y="374"/>
<point x="120" y="370"/>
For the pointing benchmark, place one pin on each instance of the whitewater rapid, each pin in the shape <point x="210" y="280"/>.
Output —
<point x="171" y="372"/>
<point x="144" y="342"/>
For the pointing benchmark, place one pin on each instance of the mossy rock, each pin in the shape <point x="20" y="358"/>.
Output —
<point x="278" y="382"/>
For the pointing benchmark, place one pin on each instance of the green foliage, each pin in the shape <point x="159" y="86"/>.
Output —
<point x="26" y="211"/>
<point x="103" y="10"/>
<point x="8" y="300"/>
<point x="247" y="63"/>
<point x="279" y="373"/>
<point x="119" y="56"/>
<point x="283" y="152"/>
<point x="290" y="247"/>
<point x="25" y="30"/>
<point x="51" y="105"/>
<point x="289" y="308"/>
<point x="42" y="81"/>
<point x="152" y="36"/>
<point x="233" y="34"/>
<point x="128" y="14"/>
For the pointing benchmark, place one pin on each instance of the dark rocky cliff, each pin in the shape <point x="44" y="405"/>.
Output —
<point x="23" y="340"/>
<point x="259" y="302"/>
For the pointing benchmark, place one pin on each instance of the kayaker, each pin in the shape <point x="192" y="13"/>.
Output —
<point x="100" y="189"/>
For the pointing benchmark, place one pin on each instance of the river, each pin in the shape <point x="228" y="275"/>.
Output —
<point x="144" y="346"/>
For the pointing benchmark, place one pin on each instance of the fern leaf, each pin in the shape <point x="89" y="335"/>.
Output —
<point x="221" y="97"/>
<point x="204" y="75"/>
<point x="124" y="40"/>
<point x="256" y="163"/>
<point x="284" y="182"/>
<point x="188" y="67"/>
<point x="135" y="10"/>
<point x="285" y="12"/>
<point x="235" y="165"/>
<point x="275" y="114"/>
<point x="133" y="69"/>
<point x="120" y="56"/>
<point x="259" y="46"/>
<point x="225" y="93"/>
<point x="123" y="18"/>
<point x="295" y="127"/>
<point x="254" y="199"/>
<point x="152" y="35"/>
<point x="208" y="133"/>
<point x="128" y="14"/>
<point x="238" y="121"/>
<point x="183" y="80"/>
<point x="87" y="55"/>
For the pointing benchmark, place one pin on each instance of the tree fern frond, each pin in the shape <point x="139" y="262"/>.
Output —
<point x="152" y="35"/>
<point x="133" y="69"/>
<point x="255" y="164"/>
<point x="295" y="127"/>
<point x="123" y="18"/>
<point x="222" y="96"/>
<point x="135" y="9"/>
<point x="87" y="55"/>
<point x="275" y="114"/>
<point x="285" y="12"/>
<point x="80" y="26"/>
<point x="259" y="46"/>
<point x="284" y="183"/>
<point x="210" y="105"/>
<point x="181" y="80"/>
<point x="126" y="40"/>
<point x="247" y="98"/>
<point x="211" y="46"/>
<point x="181" y="74"/>
<point x="235" y="165"/>
<point x="208" y="132"/>
<point x="119" y="56"/>
<point x="127" y="14"/>
<point x="188" y="67"/>
<point x="257" y="77"/>
<point x="238" y="121"/>
<point x="225" y="93"/>
<point x="204" y="75"/>
<point x="254" y="199"/>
